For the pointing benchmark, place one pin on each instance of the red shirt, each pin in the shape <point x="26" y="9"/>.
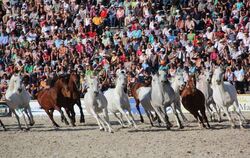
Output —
<point x="92" y="34"/>
<point x="123" y="58"/>
<point x="79" y="48"/>
<point x="104" y="13"/>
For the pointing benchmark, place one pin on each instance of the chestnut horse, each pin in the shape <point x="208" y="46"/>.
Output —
<point x="194" y="101"/>
<point x="54" y="98"/>
<point x="134" y="87"/>
<point x="74" y="88"/>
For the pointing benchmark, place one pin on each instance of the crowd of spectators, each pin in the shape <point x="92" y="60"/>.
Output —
<point x="45" y="38"/>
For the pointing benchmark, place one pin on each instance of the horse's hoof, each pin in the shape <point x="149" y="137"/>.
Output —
<point x="168" y="127"/>
<point x="142" y="120"/>
<point x="82" y="121"/>
<point x="233" y="126"/>
<point x="181" y="127"/>
<point x="27" y="129"/>
<point x="66" y="123"/>
<point x="32" y="123"/>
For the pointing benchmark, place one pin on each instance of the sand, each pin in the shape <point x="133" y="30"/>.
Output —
<point x="145" y="142"/>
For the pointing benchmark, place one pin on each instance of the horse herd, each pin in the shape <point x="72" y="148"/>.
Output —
<point x="206" y="92"/>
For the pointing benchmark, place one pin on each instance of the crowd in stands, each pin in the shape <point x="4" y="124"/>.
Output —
<point x="45" y="38"/>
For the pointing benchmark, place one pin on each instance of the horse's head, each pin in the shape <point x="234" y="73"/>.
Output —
<point x="15" y="84"/>
<point x="122" y="79"/>
<point x="218" y="75"/>
<point x="75" y="78"/>
<point x="62" y="85"/>
<point x="208" y="75"/>
<point x="191" y="83"/>
<point x="162" y="75"/>
<point x="179" y="81"/>
<point x="93" y="84"/>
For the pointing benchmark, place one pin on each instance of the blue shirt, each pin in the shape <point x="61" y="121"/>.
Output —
<point x="4" y="40"/>
<point x="58" y="43"/>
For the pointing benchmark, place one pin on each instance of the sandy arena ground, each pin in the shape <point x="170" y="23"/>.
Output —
<point x="145" y="142"/>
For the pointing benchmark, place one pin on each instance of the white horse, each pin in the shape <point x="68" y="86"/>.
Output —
<point x="225" y="95"/>
<point x="163" y="96"/>
<point x="96" y="103"/>
<point x="203" y="84"/>
<point x="118" y="100"/>
<point x="17" y="98"/>
<point x="178" y="84"/>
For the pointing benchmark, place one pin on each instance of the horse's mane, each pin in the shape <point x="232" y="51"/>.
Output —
<point x="11" y="84"/>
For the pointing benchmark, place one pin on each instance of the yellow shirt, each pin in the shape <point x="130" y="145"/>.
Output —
<point x="97" y="20"/>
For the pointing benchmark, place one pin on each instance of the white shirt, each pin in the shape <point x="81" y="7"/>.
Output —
<point x="239" y="74"/>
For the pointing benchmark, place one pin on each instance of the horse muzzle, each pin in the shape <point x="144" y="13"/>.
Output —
<point x="19" y="90"/>
<point x="218" y="81"/>
<point x="96" y="93"/>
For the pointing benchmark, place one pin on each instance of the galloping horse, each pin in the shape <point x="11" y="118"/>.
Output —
<point x="225" y="95"/>
<point x="194" y="101"/>
<point x="74" y="88"/>
<point x="163" y="96"/>
<point x="118" y="100"/>
<point x="203" y="84"/>
<point x="54" y="98"/>
<point x="18" y="99"/>
<point x="97" y="103"/>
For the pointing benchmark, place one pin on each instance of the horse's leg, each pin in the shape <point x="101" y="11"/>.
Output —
<point x="158" y="119"/>
<point x="97" y="119"/>
<point x="159" y="114"/>
<point x="29" y="115"/>
<point x="123" y="113"/>
<point x="82" y="119"/>
<point x="217" y="111"/>
<point x="168" y="124"/>
<point x="229" y="116"/>
<point x="106" y="119"/>
<point x="178" y="107"/>
<point x="71" y="117"/>
<point x="132" y="118"/>
<point x="176" y="116"/>
<point x="18" y="120"/>
<point x="62" y="115"/>
<point x="119" y="120"/>
<point x="25" y="121"/>
<point x="101" y="122"/>
<point x="26" y="112"/>
<point x="2" y="125"/>
<point x="149" y="117"/>
<point x="203" y="113"/>
<point x="138" y="109"/>
<point x="240" y="115"/>
<point x="208" y="109"/>
<point x="50" y="114"/>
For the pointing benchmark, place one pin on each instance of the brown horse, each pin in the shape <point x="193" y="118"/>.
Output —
<point x="1" y="123"/>
<point x="194" y="101"/>
<point x="134" y="87"/>
<point x="54" y="98"/>
<point x="74" y="88"/>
